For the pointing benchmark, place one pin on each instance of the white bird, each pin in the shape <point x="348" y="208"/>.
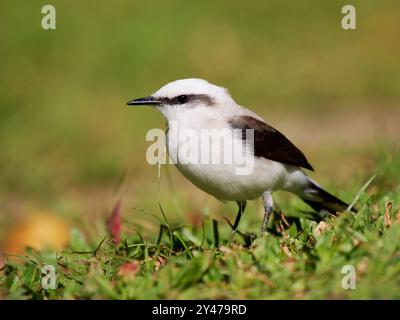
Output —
<point x="196" y="104"/>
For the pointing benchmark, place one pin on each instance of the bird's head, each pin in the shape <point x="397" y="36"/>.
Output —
<point x="183" y="95"/>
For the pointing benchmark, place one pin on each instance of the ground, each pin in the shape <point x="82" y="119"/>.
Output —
<point x="297" y="258"/>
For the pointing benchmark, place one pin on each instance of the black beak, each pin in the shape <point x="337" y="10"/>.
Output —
<point x="144" y="101"/>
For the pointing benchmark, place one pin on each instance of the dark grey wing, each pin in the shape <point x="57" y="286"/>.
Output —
<point x="270" y="143"/>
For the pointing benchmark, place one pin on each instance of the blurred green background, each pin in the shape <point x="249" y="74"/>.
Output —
<point x="69" y="145"/>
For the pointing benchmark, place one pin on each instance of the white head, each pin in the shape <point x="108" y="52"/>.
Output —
<point x="182" y="95"/>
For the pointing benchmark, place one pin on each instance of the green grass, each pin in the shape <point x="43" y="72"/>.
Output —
<point x="297" y="260"/>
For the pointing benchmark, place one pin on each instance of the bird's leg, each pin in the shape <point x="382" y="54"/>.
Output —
<point x="242" y="207"/>
<point x="268" y="204"/>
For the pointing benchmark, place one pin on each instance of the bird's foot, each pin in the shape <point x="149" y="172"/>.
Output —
<point x="247" y="237"/>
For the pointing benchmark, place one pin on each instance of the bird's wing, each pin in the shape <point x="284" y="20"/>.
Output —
<point x="269" y="142"/>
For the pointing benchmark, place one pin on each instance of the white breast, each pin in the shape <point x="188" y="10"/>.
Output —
<point x="220" y="180"/>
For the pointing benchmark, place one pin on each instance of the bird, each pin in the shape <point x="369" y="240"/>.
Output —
<point x="196" y="105"/>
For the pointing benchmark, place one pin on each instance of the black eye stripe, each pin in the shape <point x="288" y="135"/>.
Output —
<point x="182" y="98"/>
<point x="185" y="98"/>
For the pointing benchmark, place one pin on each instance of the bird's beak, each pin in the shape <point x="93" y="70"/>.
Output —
<point x="144" y="101"/>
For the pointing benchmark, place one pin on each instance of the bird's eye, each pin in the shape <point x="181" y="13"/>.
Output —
<point x="182" y="98"/>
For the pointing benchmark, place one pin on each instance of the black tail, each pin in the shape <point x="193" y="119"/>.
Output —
<point x="319" y="199"/>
